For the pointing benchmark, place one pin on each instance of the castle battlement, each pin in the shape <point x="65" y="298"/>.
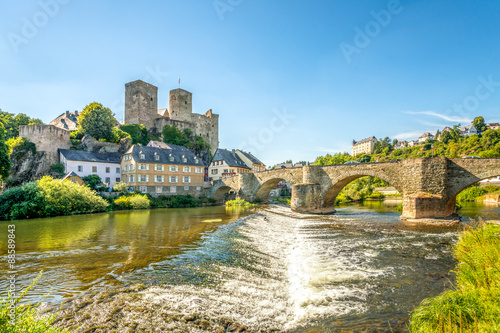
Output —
<point x="47" y="138"/>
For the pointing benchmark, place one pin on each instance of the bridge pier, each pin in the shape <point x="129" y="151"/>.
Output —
<point x="429" y="209"/>
<point x="307" y="198"/>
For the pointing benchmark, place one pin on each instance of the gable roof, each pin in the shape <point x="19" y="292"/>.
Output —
<point x="164" y="145"/>
<point x="230" y="158"/>
<point x="371" y="138"/>
<point x="164" y="155"/>
<point x="252" y="158"/>
<point x="87" y="156"/>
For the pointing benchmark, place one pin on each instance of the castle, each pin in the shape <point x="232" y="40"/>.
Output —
<point x="141" y="107"/>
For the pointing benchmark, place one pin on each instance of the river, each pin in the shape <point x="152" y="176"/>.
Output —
<point x="269" y="270"/>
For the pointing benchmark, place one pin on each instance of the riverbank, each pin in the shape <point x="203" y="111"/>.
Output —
<point x="474" y="304"/>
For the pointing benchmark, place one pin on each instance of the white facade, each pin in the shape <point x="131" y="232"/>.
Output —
<point x="109" y="172"/>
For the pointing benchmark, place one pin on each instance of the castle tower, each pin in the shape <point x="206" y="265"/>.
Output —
<point x="180" y="105"/>
<point x="141" y="103"/>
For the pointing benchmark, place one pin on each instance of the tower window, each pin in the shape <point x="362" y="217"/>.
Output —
<point x="185" y="102"/>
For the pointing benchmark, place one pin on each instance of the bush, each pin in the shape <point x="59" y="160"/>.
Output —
<point x="238" y="203"/>
<point x="376" y="195"/>
<point x="49" y="197"/>
<point x="178" y="201"/>
<point x="58" y="168"/>
<point x="19" y="146"/>
<point x="134" y="201"/>
<point x="118" y="134"/>
<point x="471" y="193"/>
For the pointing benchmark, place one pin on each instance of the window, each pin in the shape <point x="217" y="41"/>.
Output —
<point x="143" y="178"/>
<point x="214" y="171"/>
<point x="196" y="161"/>
<point x="117" y="180"/>
<point x="225" y="171"/>
<point x="186" y="188"/>
<point x="171" y="158"/>
<point x="94" y="169"/>
<point x="131" y="179"/>
<point x="173" y="179"/>
<point x="108" y="169"/>
<point x="184" y="159"/>
<point x="173" y="189"/>
<point x="125" y="168"/>
<point x="142" y="156"/>
<point x="157" y="157"/>
<point x="159" y="189"/>
<point x="132" y="167"/>
<point x="198" y="170"/>
<point x="108" y="180"/>
<point x="118" y="170"/>
<point x="159" y="167"/>
<point x="80" y="168"/>
<point x="159" y="179"/>
<point x="186" y="179"/>
<point x="143" y="189"/>
<point x="173" y="168"/>
<point x="186" y="169"/>
<point x="198" y="188"/>
<point x="143" y="167"/>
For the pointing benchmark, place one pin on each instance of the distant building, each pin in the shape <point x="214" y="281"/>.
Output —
<point x="85" y="163"/>
<point x="251" y="161"/>
<point x="159" y="144"/>
<point x="67" y="121"/>
<point x="426" y="136"/>
<point x="493" y="126"/>
<point x="160" y="171"/>
<point x="400" y="144"/>
<point x="413" y="143"/>
<point x="468" y="130"/>
<point x="227" y="163"/>
<point x="73" y="177"/>
<point x="446" y="129"/>
<point x="298" y="165"/>
<point x="284" y="166"/>
<point x="364" y="146"/>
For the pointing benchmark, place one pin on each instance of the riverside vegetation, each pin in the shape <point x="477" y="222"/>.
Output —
<point x="474" y="304"/>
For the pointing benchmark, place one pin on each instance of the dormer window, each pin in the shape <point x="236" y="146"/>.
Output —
<point x="184" y="159"/>
<point x="142" y="156"/>
<point x="157" y="157"/>
<point x="170" y="157"/>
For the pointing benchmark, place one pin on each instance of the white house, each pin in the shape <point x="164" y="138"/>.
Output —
<point x="425" y="136"/>
<point x="84" y="163"/>
<point x="468" y="130"/>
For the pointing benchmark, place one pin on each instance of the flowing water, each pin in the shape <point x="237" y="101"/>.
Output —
<point x="358" y="270"/>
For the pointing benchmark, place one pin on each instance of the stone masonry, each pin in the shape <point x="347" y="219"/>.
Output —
<point x="429" y="186"/>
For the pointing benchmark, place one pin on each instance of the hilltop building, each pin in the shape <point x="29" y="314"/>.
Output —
<point x="468" y="130"/>
<point x="67" y="121"/>
<point x="426" y="136"/>
<point x="160" y="171"/>
<point x="141" y="107"/>
<point x="364" y="146"/>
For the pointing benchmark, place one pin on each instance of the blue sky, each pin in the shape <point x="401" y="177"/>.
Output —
<point x="290" y="79"/>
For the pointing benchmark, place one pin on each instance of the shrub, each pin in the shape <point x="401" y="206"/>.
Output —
<point x="134" y="201"/>
<point x="58" y="168"/>
<point x="25" y="201"/>
<point x="238" y="203"/>
<point x="19" y="146"/>
<point x="121" y="187"/>
<point x="471" y="193"/>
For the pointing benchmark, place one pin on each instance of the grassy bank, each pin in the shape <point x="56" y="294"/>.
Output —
<point x="474" y="304"/>
<point x="477" y="193"/>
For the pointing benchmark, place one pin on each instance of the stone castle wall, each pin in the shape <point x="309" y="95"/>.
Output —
<point x="141" y="103"/>
<point x="47" y="138"/>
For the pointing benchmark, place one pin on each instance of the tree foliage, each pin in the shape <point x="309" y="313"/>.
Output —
<point x="5" y="163"/>
<point x="138" y="133"/>
<point x="479" y="124"/>
<point x="186" y="138"/>
<point x="93" y="181"/>
<point x="97" y="121"/>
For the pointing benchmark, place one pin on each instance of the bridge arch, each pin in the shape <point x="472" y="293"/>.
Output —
<point x="265" y="188"/>
<point x="267" y="180"/>
<point x="221" y="191"/>
<point x="331" y="192"/>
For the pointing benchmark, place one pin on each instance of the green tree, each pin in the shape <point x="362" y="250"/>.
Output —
<point x="5" y="163"/>
<point x="93" y="181"/>
<point x="138" y="133"/>
<point x="97" y="121"/>
<point x="173" y="135"/>
<point x="479" y="124"/>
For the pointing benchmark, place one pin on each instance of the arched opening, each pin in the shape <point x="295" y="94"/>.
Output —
<point x="466" y="197"/>
<point x="274" y="189"/>
<point x="357" y="188"/>
<point x="224" y="193"/>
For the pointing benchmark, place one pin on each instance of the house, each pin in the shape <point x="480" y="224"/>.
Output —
<point x="364" y="146"/>
<point x="400" y="144"/>
<point x="426" y="136"/>
<point x="251" y="161"/>
<point x="226" y="163"/>
<point x="468" y="130"/>
<point x="85" y="163"/>
<point x="446" y="129"/>
<point x="493" y="126"/>
<point x="160" y="171"/>
<point x="298" y="165"/>
<point x="284" y="166"/>
<point x="159" y="144"/>
<point x="413" y="143"/>
<point x="73" y="177"/>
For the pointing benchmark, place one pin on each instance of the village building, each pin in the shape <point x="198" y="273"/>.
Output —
<point x="493" y="126"/>
<point x="400" y="144"/>
<point x="364" y="146"/>
<point x="227" y="163"/>
<point x="85" y="163"/>
<point x="251" y="161"/>
<point x="160" y="171"/>
<point x="284" y="166"/>
<point x="413" y="143"/>
<point x="426" y="136"/>
<point x="73" y="177"/>
<point x="468" y="130"/>
<point x="67" y="121"/>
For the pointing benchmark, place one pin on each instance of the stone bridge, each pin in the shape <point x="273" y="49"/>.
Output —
<point x="429" y="186"/>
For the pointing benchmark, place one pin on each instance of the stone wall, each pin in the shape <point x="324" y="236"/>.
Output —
<point x="141" y="103"/>
<point x="47" y="138"/>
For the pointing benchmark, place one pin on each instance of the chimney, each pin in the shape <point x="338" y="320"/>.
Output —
<point x="67" y="113"/>
<point x="77" y="113"/>
<point x="233" y="152"/>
